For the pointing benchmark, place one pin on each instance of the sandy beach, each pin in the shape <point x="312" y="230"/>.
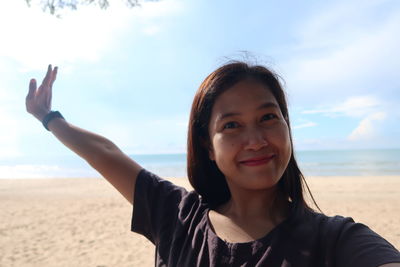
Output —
<point x="85" y="222"/>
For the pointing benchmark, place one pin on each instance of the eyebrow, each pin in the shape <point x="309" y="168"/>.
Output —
<point x="262" y="106"/>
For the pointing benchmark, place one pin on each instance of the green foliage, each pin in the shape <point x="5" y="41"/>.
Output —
<point x="54" y="7"/>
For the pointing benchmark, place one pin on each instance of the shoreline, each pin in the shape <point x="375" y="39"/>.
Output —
<point x="85" y="221"/>
<point x="396" y="176"/>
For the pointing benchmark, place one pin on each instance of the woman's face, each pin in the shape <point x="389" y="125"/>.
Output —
<point x="249" y="137"/>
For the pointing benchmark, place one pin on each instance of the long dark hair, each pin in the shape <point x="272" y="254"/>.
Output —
<point x="203" y="173"/>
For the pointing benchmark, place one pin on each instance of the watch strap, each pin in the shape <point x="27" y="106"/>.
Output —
<point x="51" y="115"/>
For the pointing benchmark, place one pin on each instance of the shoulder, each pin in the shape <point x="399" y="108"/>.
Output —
<point x="160" y="205"/>
<point x="333" y="225"/>
<point x="308" y="221"/>
<point x="338" y="230"/>
<point x="150" y="184"/>
<point x="315" y="230"/>
<point x="349" y="243"/>
<point x="153" y="187"/>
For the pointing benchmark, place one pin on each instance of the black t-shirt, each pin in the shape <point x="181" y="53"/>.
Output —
<point x="177" y="222"/>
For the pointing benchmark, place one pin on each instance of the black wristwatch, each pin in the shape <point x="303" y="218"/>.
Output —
<point x="51" y="115"/>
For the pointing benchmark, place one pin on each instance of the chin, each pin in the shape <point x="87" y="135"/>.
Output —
<point x="260" y="181"/>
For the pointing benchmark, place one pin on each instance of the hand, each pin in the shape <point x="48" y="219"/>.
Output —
<point x="38" y="100"/>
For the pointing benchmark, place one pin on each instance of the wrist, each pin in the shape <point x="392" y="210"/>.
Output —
<point x="49" y="117"/>
<point x="40" y="114"/>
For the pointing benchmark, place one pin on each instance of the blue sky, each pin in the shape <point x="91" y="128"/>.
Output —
<point x="131" y="74"/>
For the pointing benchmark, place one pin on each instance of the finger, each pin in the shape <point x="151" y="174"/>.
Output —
<point x="44" y="88"/>
<point x="54" y="76"/>
<point x="47" y="77"/>
<point x="50" y="88"/>
<point x="48" y="98"/>
<point x="32" y="88"/>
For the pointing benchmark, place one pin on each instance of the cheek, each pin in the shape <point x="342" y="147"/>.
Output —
<point x="282" y="138"/>
<point x="224" y="147"/>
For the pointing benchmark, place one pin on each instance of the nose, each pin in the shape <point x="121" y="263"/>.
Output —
<point x="255" y="139"/>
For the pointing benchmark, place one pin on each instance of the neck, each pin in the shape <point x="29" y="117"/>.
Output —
<point x="266" y="205"/>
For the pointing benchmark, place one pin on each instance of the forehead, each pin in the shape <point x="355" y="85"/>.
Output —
<point x="244" y="94"/>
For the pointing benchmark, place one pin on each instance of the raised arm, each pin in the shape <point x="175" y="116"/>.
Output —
<point x="103" y="155"/>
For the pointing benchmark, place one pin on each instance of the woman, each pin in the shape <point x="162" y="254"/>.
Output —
<point x="248" y="207"/>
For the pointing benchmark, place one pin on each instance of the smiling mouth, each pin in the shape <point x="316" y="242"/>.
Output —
<point x="257" y="161"/>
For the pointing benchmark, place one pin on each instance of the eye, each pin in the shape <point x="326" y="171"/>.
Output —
<point x="231" y="125"/>
<point x="269" y="116"/>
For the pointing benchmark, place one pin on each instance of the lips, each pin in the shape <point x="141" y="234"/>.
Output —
<point x="256" y="161"/>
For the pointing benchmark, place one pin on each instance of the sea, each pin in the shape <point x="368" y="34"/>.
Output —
<point x="312" y="163"/>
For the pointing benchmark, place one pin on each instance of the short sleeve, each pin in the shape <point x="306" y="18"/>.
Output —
<point x="359" y="246"/>
<point x="155" y="207"/>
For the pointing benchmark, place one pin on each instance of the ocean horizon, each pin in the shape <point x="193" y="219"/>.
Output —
<point x="367" y="162"/>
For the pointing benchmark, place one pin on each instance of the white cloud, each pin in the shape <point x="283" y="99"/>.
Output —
<point x="34" y="39"/>
<point x="305" y="125"/>
<point x="180" y="122"/>
<point x="347" y="19"/>
<point x="342" y="50"/>
<point x="8" y="136"/>
<point x="150" y="14"/>
<point x="309" y="143"/>
<point x="368" y="128"/>
<point x="30" y="39"/>
<point x="152" y="30"/>
<point x="345" y="63"/>
<point x="353" y="107"/>
<point x="158" y="9"/>
<point x="11" y="127"/>
<point x="148" y="135"/>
